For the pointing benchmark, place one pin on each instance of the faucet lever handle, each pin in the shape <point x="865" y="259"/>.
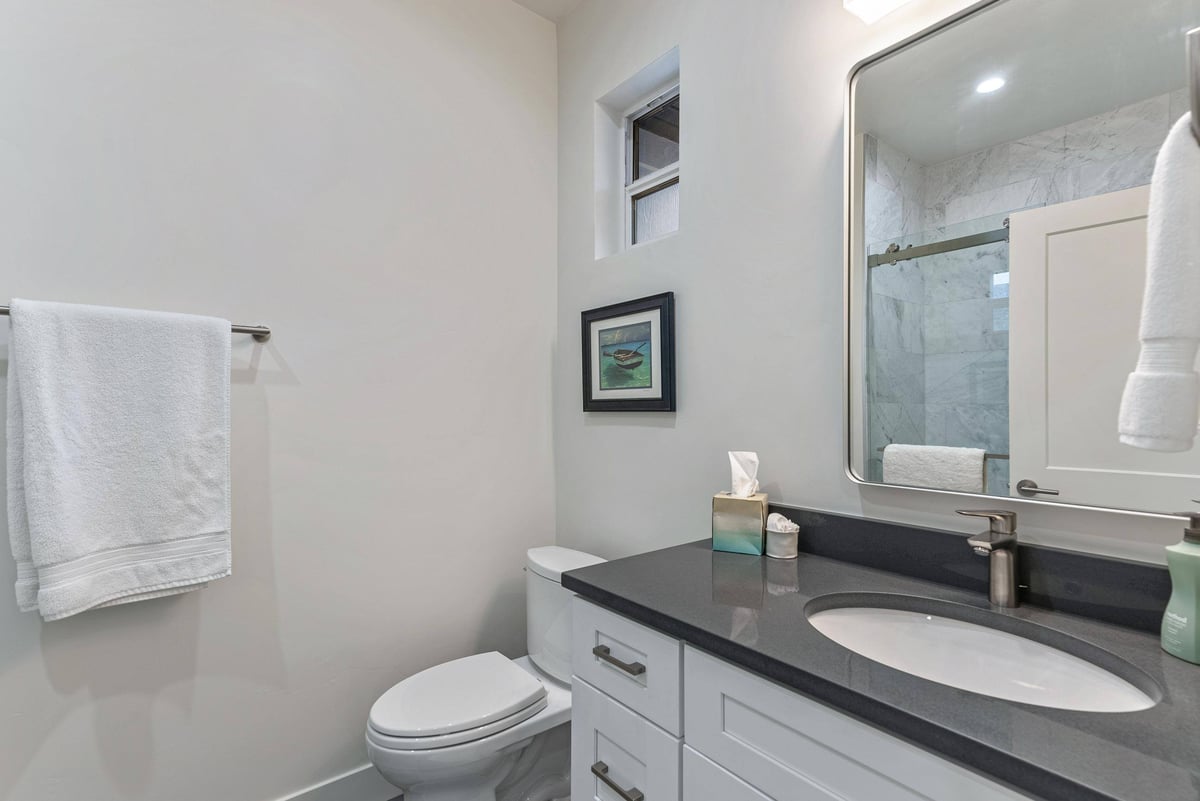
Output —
<point x="1000" y="521"/>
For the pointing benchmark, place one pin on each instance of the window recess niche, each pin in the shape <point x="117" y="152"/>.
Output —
<point x="637" y="158"/>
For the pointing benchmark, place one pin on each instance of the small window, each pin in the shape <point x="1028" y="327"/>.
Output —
<point x="999" y="285"/>
<point x="652" y="169"/>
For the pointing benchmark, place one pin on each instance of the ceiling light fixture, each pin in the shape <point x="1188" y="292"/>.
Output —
<point x="989" y="85"/>
<point x="871" y="10"/>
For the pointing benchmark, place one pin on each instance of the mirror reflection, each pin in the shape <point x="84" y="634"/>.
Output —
<point x="999" y="189"/>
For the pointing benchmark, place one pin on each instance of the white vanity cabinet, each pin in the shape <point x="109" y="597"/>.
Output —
<point x="626" y="708"/>
<point x="654" y="720"/>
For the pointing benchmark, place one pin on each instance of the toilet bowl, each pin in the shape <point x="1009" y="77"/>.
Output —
<point x="485" y="727"/>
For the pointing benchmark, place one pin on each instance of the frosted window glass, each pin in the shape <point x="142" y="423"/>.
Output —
<point x="656" y="213"/>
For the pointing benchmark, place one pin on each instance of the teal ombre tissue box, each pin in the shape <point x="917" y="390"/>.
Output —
<point x="739" y="524"/>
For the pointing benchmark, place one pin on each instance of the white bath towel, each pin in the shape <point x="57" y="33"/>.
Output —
<point x="936" y="466"/>
<point x="1161" y="404"/>
<point x="118" y="454"/>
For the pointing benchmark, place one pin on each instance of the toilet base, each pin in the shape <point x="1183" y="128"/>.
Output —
<point x="537" y="769"/>
<point x="542" y="771"/>
<point x="477" y="787"/>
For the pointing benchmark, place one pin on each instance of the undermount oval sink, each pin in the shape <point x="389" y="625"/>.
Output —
<point x="965" y="647"/>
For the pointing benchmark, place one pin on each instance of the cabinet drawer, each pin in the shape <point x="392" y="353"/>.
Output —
<point x="610" y="742"/>
<point x="635" y="665"/>
<point x="704" y="780"/>
<point x="795" y="749"/>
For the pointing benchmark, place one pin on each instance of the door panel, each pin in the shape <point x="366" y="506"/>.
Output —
<point x="1075" y="298"/>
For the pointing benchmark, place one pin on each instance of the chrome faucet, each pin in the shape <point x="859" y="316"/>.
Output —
<point x="999" y="545"/>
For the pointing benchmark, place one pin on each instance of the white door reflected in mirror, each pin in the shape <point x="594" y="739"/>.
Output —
<point x="1079" y="271"/>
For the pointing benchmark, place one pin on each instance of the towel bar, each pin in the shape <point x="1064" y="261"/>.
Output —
<point x="986" y="456"/>
<point x="260" y="332"/>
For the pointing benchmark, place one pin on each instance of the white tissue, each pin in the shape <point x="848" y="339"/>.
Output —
<point x="777" y="522"/>
<point x="744" y="467"/>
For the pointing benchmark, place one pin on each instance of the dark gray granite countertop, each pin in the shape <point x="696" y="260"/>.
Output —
<point x="750" y="610"/>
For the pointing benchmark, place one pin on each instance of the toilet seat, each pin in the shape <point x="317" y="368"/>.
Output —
<point x="455" y="702"/>
<point x="382" y="740"/>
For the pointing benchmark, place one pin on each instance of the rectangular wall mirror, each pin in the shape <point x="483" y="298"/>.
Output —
<point x="998" y="187"/>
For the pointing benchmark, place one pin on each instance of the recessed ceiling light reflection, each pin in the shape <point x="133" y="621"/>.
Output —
<point x="989" y="85"/>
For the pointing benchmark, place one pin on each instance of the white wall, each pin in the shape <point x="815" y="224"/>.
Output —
<point x="757" y="272"/>
<point x="375" y="180"/>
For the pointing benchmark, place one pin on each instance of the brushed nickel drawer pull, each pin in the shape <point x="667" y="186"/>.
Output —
<point x="600" y="771"/>
<point x="632" y="668"/>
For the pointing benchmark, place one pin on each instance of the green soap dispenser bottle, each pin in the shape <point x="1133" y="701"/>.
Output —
<point x="1182" y="618"/>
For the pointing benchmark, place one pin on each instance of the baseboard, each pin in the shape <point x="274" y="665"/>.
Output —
<point x="360" y="784"/>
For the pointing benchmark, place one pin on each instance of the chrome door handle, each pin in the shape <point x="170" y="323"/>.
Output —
<point x="1028" y="487"/>
<point x="632" y="668"/>
<point x="600" y="771"/>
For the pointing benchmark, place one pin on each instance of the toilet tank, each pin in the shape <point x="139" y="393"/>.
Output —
<point x="548" y="607"/>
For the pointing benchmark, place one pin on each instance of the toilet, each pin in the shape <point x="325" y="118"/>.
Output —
<point x="486" y="727"/>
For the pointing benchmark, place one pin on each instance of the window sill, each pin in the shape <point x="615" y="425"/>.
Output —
<point x="630" y="249"/>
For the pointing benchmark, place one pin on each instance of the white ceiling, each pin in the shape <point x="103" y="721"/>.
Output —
<point x="553" y="10"/>
<point x="1064" y="61"/>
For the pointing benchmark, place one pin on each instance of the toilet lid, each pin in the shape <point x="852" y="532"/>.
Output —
<point x="456" y="696"/>
<point x="388" y="742"/>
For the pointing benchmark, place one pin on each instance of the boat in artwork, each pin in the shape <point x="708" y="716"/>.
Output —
<point x="626" y="358"/>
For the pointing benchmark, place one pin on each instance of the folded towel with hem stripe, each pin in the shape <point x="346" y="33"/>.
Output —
<point x="118" y="454"/>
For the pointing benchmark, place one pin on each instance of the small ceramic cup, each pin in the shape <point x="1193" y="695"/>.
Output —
<point x="782" y="545"/>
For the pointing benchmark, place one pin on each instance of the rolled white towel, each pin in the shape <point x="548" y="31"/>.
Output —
<point x="1161" y="404"/>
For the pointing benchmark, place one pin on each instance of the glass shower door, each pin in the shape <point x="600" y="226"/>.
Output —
<point x="937" y="346"/>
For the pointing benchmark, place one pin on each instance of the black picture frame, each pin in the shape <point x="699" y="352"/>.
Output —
<point x="653" y="314"/>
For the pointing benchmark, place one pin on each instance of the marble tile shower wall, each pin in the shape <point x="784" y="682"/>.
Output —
<point x="938" y="335"/>
<point x="966" y="354"/>
<point x="1104" y="153"/>
<point x="895" y="381"/>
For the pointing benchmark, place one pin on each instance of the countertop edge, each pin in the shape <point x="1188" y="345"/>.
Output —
<point x="1001" y="766"/>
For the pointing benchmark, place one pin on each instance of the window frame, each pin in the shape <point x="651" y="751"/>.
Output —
<point x="660" y="178"/>
<point x="631" y="199"/>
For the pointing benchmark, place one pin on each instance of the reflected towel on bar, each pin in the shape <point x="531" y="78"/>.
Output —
<point x="1161" y="403"/>
<point x="118" y="454"/>
<point x="934" y="466"/>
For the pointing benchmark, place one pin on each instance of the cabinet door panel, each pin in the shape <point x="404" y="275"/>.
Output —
<point x="704" y="780"/>
<point x="795" y="749"/>
<point x="632" y="752"/>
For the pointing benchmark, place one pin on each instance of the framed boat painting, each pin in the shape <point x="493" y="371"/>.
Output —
<point x="629" y="356"/>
